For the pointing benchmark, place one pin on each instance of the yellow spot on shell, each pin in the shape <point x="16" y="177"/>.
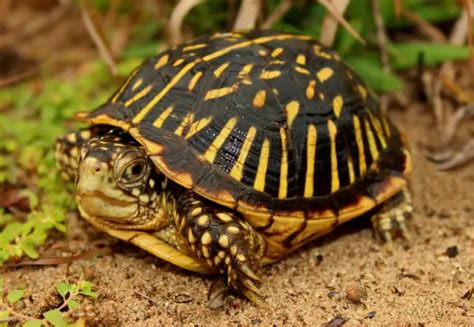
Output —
<point x="263" y="53"/>
<point x="137" y="84"/>
<point x="178" y="62"/>
<point x="310" y="161"/>
<point x="162" y="61"/>
<point x="301" y="59"/>
<point x="217" y="93"/>
<point x="371" y="139"/>
<point x="162" y="117"/>
<point x="245" y="70"/>
<point x="320" y="53"/>
<point x="283" y="189"/>
<point x="237" y="170"/>
<point x="270" y="74"/>
<point x="138" y="96"/>
<point x="302" y="70"/>
<point x="350" y="168"/>
<point x="259" y="183"/>
<point x="277" y="52"/>
<point x="324" y="74"/>
<point x="334" y="172"/>
<point x="194" y="80"/>
<point x="211" y="151"/>
<point x="259" y="99"/>
<point x="362" y="91"/>
<point x="310" y="90"/>
<point x="197" y="126"/>
<point x="337" y="104"/>
<point x="292" y="109"/>
<point x="218" y="72"/>
<point x="195" y="47"/>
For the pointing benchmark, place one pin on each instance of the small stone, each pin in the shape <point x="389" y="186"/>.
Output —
<point x="371" y="314"/>
<point x="452" y="251"/>
<point x="355" y="292"/>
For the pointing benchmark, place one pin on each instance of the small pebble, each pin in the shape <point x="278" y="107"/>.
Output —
<point x="356" y="292"/>
<point x="452" y="251"/>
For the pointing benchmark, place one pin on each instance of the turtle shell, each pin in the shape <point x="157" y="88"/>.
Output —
<point x="272" y="125"/>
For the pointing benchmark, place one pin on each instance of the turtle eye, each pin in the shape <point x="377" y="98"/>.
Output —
<point x="134" y="172"/>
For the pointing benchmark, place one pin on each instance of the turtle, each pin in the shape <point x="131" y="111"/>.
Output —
<point x="228" y="152"/>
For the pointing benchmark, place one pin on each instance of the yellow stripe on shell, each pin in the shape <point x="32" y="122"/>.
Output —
<point x="217" y="93"/>
<point x="238" y="169"/>
<point x="137" y="84"/>
<point x="337" y="104"/>
<point x="246" y="70"/>
<point x="195" y="47"/>
<point x="283" y="189"/>
<point x="138" y="96"/>
<point x="270" y="74"/>
<point x="218" y="72"/>
<point x="185" y="122"/>
<point x="163" y="116"/>
<point x="162" y="61"/>
<point x="334" y="172"/>
<point x="362" y="91"/>
<point x="310" y="89"/>
<point x="360" y="145"/>
<point x="178" y="62"/>
<point x="350" y="169"/>
<point x="378" y="128"/>
<point x="371" y="139"/>
<point x="292" y="109"/>
<point x="211" y="151"/>
<point x="194" y="80"/>
<point x="310" y="160"/>
<point x="302" y="70"/>
<point x="125" y="85"/>
<point x="386" y="126"/>
<point x="324" y="74"/>
<point x="259" y="99"/>
<point x="277" y="52"/>
<point x="197" y="126"/>
<point x="260" y="177"/>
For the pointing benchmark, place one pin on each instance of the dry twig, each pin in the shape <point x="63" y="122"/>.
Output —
<point x="277" y="14"/>
<point x="381" y="35"/>
<point x="97" y="38"/>
<point x="175" y="23"/>
<point x="248" y="14"/>
<point x="427" y="29"/>
<point x="334" y="17"/>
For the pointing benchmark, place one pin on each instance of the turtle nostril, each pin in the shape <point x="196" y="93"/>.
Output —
<point x="97" y="169"/>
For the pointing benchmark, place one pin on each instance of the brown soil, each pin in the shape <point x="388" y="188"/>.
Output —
<point x="417" y="286"/>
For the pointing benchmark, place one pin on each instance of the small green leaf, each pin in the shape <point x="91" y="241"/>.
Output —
<point x="72" y="304"/>
<point x="63" y="289"/>
<point x="28" y="248"/>
<point x="15" y="295"/>
<point x="55" y="317"/>
<point x="32" y="323"/>
<point x="4" y="314"/>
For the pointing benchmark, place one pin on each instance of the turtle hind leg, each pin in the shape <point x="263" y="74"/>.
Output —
<point x="223" y="240"/>
<point x="392" y="220"/>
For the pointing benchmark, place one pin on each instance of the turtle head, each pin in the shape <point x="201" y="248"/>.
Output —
<point x="118" y="185"/>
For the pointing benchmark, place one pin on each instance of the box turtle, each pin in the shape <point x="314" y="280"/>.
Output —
<point x="226" y="153"/>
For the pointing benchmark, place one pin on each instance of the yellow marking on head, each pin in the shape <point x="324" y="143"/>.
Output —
<point x="197" y="126"/>
<point x="259" y="99"/>
<point x="195" y="47"/>
<point x="302" y="70"/>
<point x="310" y="90"/>
<point x="194" y="80"/>
<point x="217" y="93"/>
<point x="320" y="53"/>
<point x="378" y="129"/>
<point x="337" y="104"/>
<point x="350" y="168"/>
<point x="246" y="70"/>
<point x="224" y="217"/>
<point x="277" y="52"/>
<point x="162" y="61"/>
<point x="283" y="189"/>
<point x="206" y="238"/>
<point x="163" y="92"/>
<point x="334" y="172"/>
<point x="137" y="84"/>
<point x="292" y="109"/>
<point x="301" y="59"/>
<point x="324" y="74"/>
<point x="259" y="183"/>
<point x="211" y="151"/>
<point x="310" y="160"/>
<point x="85" y="134"/>
<point x="125" y="85"/>
<point x="185" y="122"/>
<point x="238" y="169"/>
<point x="223" y="242"/>
<point x="163" y="116"/>
<point x="218" y="72"/>
<point x="371" y="139"/>
<point x="386" y="126"/>
<point x="269" y="74"/>
<point x="71" y="137"/>
<point x="178" y="62"/>
<point x="138" y="96"/>
<point x="360" y="145"/>
<point x="362" y="91"/>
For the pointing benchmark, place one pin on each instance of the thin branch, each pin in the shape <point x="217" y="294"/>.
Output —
<point x="175" y="23"/>
<point x="335" y="15"/>
<point x="97" y="38"/>
<point x="381" y="35"/>
<point x="427" y="29"/>
<point x="398" y="8"/>
<point x="247" y="15"/>
<point x="277" y="14"/>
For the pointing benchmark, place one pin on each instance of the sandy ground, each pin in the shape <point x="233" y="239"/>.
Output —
<point x="419" y="286"/>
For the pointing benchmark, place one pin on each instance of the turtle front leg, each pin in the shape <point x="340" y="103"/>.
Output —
<point x="68" y="150"/>
<point x="221" y="238"/>
<point x="391" y="220"/>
